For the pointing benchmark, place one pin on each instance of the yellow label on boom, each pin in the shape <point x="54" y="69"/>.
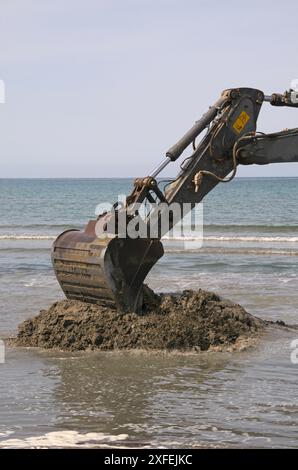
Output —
<point x="241" y="122"/>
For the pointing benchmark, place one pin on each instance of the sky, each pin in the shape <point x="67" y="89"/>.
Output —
<point x="102" y="88"/>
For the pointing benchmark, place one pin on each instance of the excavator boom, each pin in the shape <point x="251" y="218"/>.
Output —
<point x="105" y="263"/>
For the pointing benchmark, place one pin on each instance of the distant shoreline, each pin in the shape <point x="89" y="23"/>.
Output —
<point x="64" y="178"/>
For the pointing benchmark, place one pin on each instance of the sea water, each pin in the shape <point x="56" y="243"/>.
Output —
<point x="249" y="255"/>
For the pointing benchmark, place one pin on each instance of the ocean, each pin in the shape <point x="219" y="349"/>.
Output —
<point x="246" y="399"/>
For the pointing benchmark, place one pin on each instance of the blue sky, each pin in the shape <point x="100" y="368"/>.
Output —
<point x="102" y="88"/>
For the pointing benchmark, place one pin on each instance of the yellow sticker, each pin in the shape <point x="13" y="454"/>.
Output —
<point x="241" y="122"/>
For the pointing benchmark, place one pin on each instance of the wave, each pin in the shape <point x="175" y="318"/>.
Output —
<point x="48" y="226"/>
<point x="250" y="228"/>
<point x="28" y="237"/>
<point x="235" y="251"/>
<point x="212" y="226"/>
<point x="23" y="249"/>
<point x="235" y="238"/>
<point x="202" y="250"/>
<point x="259" y="239"/>
<point x="66" y="439"/>
<point x="207" y="227"/>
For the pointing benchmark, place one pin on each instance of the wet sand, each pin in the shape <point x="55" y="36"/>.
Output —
<point x="190" y="321"/>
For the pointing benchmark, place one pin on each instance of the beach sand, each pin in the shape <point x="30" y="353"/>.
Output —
<point x="190" y="321"/>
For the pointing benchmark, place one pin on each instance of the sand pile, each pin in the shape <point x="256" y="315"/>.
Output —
<point x="193" y="320"/>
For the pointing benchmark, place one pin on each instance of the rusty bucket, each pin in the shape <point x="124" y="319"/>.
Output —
<point x="107" y="271"/>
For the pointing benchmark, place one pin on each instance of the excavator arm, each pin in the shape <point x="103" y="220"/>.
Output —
<point x="106" y="263"/>
<point x="262" y="149"/>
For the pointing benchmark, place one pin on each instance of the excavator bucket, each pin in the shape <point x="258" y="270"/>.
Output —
<point x="107" y="271"/>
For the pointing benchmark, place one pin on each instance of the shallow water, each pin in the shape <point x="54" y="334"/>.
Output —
<point x="246" y="399"/>
<point x="146" y="399"/>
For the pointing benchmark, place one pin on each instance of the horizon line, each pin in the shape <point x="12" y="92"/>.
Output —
<point x="122" y="177"/>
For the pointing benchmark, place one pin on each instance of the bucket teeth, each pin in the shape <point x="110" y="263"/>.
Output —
<point x="109" y="271"/>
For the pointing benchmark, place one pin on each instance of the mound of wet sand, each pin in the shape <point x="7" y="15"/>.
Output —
<point x="191" y="321"/>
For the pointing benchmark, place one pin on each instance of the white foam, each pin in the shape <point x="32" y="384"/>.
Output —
<point x="27" y="237"/>
<point x="5" y="433"/>
<point x="41" y="281"/>
<point x="169" y="238"/>
<point x="64" y="439"/>
<point x="235" y="251"/>
<point x="233" y="239"/>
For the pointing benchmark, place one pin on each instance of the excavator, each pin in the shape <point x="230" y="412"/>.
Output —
<point x="108" y="266"/>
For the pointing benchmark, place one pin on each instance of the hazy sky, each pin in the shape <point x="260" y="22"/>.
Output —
<point x="98" y="88"/>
